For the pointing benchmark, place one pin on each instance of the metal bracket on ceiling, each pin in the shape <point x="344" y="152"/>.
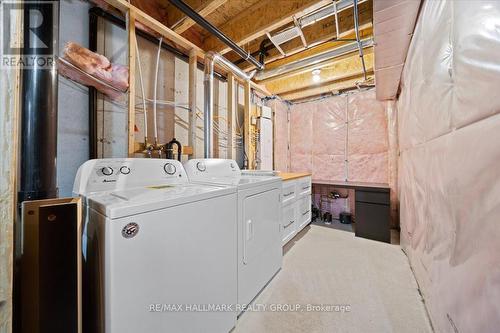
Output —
<point x="276" y="45"/>
<point x="301" y="33"/>
<point x="286" y="35"/>
<point x="336" y="18"/>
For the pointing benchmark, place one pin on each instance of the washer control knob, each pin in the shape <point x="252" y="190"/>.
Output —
<point x="125" y="170"/>
<point x="169" y="168"/>
<point x="107" y="171"/>
<point x="201" y="166"/>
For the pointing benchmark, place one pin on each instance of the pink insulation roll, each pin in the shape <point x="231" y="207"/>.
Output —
<point x="94" y="70"/>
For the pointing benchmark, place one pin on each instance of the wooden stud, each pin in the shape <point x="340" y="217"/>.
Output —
<point x="193" y="87"/>
<point x="247" y="125"/>
<point x="155" y="25"/>
<point x="216" y="122"/>
<point x="230" y="115"/>
<point x="10" y="98"/>
<point x="131" y="79"/>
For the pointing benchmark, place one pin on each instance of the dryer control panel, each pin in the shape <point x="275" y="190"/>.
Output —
<point x="203" y="168"/>
<point x="117" y="173"/>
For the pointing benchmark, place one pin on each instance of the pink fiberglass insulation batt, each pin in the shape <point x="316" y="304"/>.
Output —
<point x="449" y="164"/>
<point x="318" y="136"/>
<point x="281" y="158"/>
<point x="97" y="66"/>
<point x="301" y="135"/>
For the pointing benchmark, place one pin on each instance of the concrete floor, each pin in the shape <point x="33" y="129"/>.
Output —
<point x="324" y="266"/>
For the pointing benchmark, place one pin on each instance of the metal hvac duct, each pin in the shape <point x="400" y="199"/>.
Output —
<point x="212" y="58"/>
<point x="290" y="67"/>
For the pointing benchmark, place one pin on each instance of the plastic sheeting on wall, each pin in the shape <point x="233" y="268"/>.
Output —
<point x="340" y="138"/>
<point x="329" y="137"/>
<point x="449" y="174"/>
<point x="367" y="139"/>
<point x="280" y="150"/>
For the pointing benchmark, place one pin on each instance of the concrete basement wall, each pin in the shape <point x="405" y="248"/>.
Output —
<point x="449" y="165"/>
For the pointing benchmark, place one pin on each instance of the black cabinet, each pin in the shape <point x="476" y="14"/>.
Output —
<point x="372" y="214"/>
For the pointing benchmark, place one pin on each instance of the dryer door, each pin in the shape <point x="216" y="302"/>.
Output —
<point x="260" y="252"/>
<point x="260" y="224"/>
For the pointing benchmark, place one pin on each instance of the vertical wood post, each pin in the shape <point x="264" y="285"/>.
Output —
<point x="247" y="125"/>
<point x="193" y="87"/>
<point x="230" y="115"/>
<point x="131" y="79"/>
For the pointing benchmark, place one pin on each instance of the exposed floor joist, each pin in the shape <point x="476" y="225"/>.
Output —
<point x="315" y="34"/>
<point x="334" y="70"/>
<point x="204" y="8"/>
<point x="300" y="53"/>
<point x="324" y="89"/>
<point x="265" y="16"/>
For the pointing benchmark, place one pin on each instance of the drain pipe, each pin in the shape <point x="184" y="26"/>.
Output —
<point x="183" y="7"/>
<point x="358" y="40"/>
<point x="212" y="58"/>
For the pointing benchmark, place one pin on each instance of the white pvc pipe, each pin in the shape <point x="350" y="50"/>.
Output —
<point x="143" y="95"/>
<point x="212" y="58"/>
<point x="156" y="90"/>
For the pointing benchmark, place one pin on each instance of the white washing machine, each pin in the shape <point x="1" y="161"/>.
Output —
<point x="159" y="251"/>
<point x="259" y="216"/>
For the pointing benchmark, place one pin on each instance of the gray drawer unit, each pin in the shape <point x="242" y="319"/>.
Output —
<point x="373" y="214"/>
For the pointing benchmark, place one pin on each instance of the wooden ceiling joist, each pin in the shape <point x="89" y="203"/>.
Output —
<point x="264" y="17"/>
<point x="203" y="7"/>
<point x="365" y="32"/>
<point x="316" y="34"/>
<point x="333" y="71"/>
<point x="155" y="25"/>
<point x="328" y="88"/>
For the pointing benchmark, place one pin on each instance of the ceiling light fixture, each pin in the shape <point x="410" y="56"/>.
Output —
<point x="315" y="73"/>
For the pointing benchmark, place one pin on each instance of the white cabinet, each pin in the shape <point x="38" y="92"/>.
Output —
<point x="296" y="207"/>
<point x="289" y="192"/>
<point x="304" y="212"/>
<point x="289" y="222"/>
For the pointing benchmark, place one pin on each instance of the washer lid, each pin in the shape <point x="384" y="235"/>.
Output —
<point x="138" y="200"/>
<point x="240" y="181"/>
